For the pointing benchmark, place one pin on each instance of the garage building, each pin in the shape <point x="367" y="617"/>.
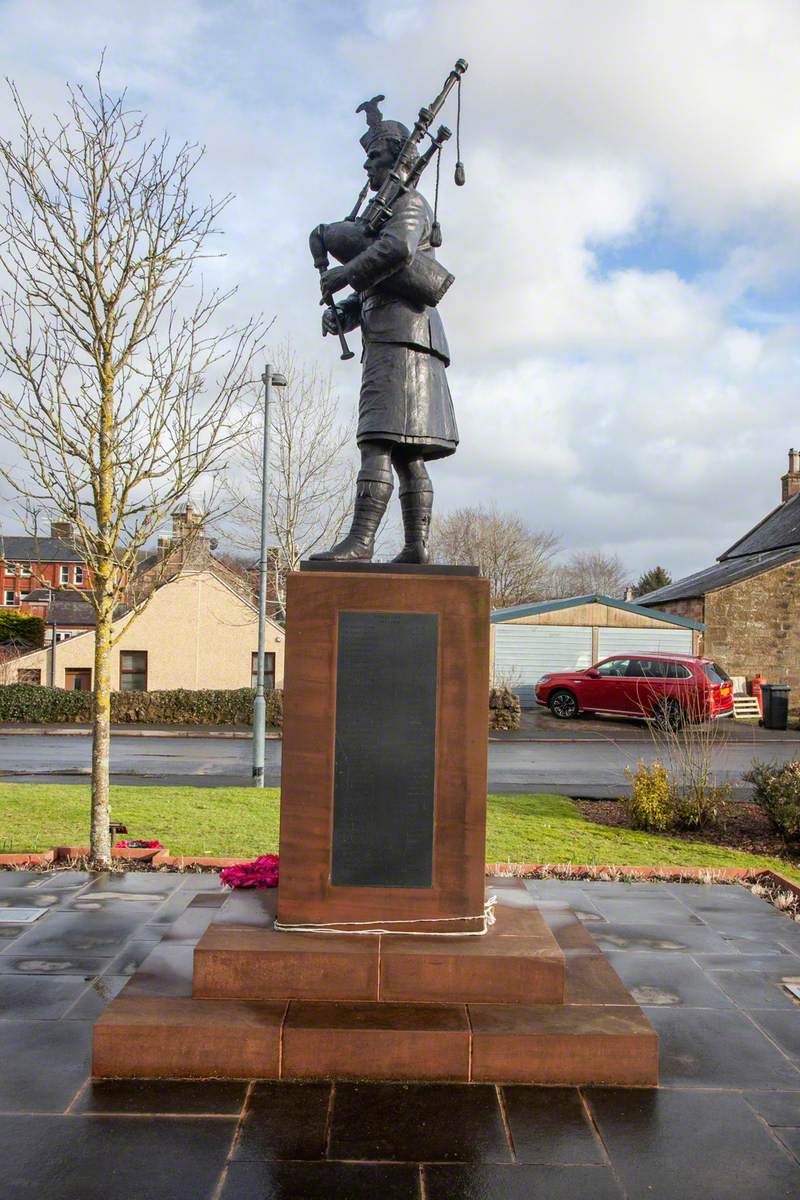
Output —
<point x="530" y="640"/>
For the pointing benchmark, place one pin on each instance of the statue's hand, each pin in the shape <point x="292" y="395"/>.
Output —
<point x="329" y="321"/>
<point x="333" y="280"/>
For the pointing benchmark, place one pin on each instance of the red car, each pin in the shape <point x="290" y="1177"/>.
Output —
<point x="671" y="687"/>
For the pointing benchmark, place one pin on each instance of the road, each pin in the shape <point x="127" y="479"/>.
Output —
<point x="580" y="768"/>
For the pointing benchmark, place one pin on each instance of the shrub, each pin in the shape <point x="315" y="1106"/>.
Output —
<point x="650" y="804"/>
<point x="504" y="709"/>
<point x="776" y="788"/>
<point x="29" y="702"/>
<point x="700" y="806"/>
<point x="21" y="629"/>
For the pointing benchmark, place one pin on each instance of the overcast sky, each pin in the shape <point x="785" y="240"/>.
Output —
<point x="624" y="322"/>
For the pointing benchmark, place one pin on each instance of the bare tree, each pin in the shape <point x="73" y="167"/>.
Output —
<point x="588" y="573"/>
<point x="311" y="472"/>
<point x="124" y="380"/>
<point x="515" y="559"/>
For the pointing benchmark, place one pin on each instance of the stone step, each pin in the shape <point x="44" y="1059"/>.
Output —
<point x="518" y="961"/>
<point x="175" y="1037"/>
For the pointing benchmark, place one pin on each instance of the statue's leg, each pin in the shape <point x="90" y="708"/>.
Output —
<point x="416" y="502"/>
<point x="373" y="489"/>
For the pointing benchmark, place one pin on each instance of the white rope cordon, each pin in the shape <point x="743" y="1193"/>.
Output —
<point x="487" y="918"/>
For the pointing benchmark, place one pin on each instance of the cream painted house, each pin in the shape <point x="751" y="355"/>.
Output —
<point x="196" y="631"/>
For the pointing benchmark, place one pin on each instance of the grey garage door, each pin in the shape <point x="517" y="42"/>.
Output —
<point x="640" y="641"/>
<point x="522" y="653"/>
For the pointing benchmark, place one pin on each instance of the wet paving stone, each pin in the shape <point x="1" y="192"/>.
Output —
<point x="30" y="899"/>
<point x="99" y="993"/>
<point x="646" y="910"/>
<point x="716" y="897"/>
<point x="666" y="1144"/>
<point x="190" y="926"/>
<point x="776" y="1108"/>
<point x="9" y="934"/>
<point x="520" y="1183"/>
<point x="43" y="1064"/>
<point x="657" y="938"/>
<point x="550" y="1125"/>
<point x="97" y="934"/>
<point x="783" y="1028"/>
<point x="285" y="1120"/>
<point x="92" y="1158"/>
<point x="757" y="944"/>
<point x="36" y="999"/>
<point x="11" y="964"/>
<point x="417" y="1122"/>
<point x="130" y="958"/>
<point x="733" y="960"/>
<point x="12" y="881"/>
<point x="158" y="884"/>
<point x="166" y="971"/>
<point x="187" y="1097"/>
<point x="791" y="1140"/>
<point x="68" y="881"/>
<point x="722" y="1051"/>
<point x="326" y="1180"/>
<point x="751" y="989"/>
<point x="667" y="980"/>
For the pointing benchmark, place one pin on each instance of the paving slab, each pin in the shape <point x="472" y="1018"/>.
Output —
<point x="665" y="1144"/>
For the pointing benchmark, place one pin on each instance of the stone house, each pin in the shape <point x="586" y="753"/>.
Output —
<point x="749" y="599"/>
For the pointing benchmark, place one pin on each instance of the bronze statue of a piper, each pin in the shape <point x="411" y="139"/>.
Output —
<point x="405" y="413"/>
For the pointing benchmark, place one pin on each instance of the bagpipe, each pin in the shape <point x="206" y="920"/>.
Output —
<point x="423" y="281"/>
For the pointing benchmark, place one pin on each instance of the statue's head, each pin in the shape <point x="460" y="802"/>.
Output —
<point x="382" y="142"/>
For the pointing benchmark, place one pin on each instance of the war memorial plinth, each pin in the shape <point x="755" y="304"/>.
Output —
<point x="371" y="961"/>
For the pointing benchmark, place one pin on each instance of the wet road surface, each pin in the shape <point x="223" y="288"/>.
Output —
<point x="582" y="768"/>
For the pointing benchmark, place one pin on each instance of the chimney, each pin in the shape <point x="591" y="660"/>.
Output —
<point x="790" y="482"/>
<point x="62" y="530"/>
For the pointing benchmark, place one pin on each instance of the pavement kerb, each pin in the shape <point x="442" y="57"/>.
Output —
<point x="128" y="731"/>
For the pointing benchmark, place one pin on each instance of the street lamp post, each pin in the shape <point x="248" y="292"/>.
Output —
<point x="270" y="379"/>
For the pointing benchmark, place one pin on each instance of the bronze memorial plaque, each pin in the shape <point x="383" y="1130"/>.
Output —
<point x="385" y="750"/>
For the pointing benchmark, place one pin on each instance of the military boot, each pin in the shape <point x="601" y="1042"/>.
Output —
<point x="371" y="500"/>
<point x="417" y="506"/>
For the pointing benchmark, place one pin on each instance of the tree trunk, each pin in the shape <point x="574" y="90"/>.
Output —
<point x="101" y="743"/>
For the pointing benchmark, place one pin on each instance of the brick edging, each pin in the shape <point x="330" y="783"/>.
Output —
<point x="163" y="858"/>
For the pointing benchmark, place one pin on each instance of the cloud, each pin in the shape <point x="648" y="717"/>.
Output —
<point x="637" y="406"/>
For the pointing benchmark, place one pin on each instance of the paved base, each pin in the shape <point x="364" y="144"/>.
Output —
<point x="706" y="962"/>
<point x="523" y="1004"/>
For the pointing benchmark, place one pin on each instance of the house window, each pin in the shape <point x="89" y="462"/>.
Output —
<point x="64" y="575"/>
<point x="79" y="574"/>
<point x="10" y="599"/>
<point x="269" y="670"/>
<point x="25" y="569"/>
<point x="133" y="671"/>
<point x="78" y="679"/>
<point x="29" y="675"/>
<point x="11" y="568"/>
<point x="23" y="596"/>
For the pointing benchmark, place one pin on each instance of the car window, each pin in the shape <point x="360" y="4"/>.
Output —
<point x="715" y="673"/>
<point x="677" y="671"/>
<point x="614" y="668"/>
<point x="647" y="668"/>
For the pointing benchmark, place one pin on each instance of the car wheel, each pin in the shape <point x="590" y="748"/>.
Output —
<point x="668" y="714"/>
<point x="563" y="705"/>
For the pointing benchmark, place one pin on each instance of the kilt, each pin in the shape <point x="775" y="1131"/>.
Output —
<point x="405" y="399"/>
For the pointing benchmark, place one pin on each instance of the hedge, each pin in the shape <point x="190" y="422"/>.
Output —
<point x="29" y="702"/>
<point x="20" y="628"/>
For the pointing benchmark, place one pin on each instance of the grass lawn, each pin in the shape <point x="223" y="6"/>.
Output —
<point x="244" y="821"/>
